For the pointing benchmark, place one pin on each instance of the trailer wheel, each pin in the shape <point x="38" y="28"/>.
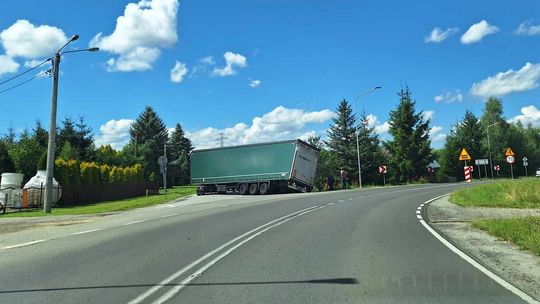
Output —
<point x="253" y="189"/>
<point x="243" y="189"/>
<point x="264" y="188"/>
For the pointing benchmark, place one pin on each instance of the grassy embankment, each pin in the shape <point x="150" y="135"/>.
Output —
<point x="525" y="231"/>
<point x="112" y="206"/>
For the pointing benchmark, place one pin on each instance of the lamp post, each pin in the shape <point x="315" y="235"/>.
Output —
<point x="489" y="148"/>
<point x="51" y="146"/>
<point x="358" y="134"/>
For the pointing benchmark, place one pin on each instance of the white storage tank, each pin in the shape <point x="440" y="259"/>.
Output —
<point x="34" y="190"/>
<point x="10" y="189"/>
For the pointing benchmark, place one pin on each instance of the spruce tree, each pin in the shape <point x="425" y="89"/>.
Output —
<point x="341" y="140"/>
<point x="370" y="152"/>
<point x="6" y="164"/>
<point x="149" y="131"/>
<point x="179" y="148"/>
<point x="409" y="150"/>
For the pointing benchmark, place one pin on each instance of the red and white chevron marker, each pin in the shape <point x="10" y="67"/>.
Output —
<point x="468" y="173"/>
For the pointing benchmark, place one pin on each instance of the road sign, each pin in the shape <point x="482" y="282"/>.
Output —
<point x="464" y="155"/>
<point x="481" y="161"/>
<point x="162" y="160"/>
<point x="382" y="169"/>
<point x="496" y="168"/>
<point x="509" y="152"/>
<point x="510" y="159"/>
<point x="430" y="170"/>
<point x="525" y="159"/>
<point x="468" y="173"/>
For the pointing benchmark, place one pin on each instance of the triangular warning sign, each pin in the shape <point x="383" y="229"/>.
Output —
<point x="464" y="155"/>
<point x="509" y="152"/>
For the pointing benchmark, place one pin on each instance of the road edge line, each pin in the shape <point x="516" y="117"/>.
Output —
<point x="468" y="258"/>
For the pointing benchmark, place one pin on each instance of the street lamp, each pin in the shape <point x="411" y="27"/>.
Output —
<point x="489" y="148"/>
<point x="358" y="134"/>
<point x="52" y="127"/>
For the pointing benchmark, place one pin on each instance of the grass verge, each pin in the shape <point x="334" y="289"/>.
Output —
<point x="524" y="232"/>
<point x="112" y="206"/>
<point x="523" y="193"/>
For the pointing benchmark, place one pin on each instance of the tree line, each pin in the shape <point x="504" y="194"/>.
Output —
<point x="27" y="152"/>
<point x="408" y="153"/>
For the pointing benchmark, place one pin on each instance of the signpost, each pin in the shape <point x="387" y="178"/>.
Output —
<point x="497" y="168"/>
<point x="162" y="161"/>
<point x="510" y="159"/>
<point x="382" y="170"/>
<point x="479" y="162"/>
<point x="525" y="164"/>
<point x="468" y="173"/>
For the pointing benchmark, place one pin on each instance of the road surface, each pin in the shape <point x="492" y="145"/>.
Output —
<point x="356" y="246"/>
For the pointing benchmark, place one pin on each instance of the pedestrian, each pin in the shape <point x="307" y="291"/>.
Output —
<point x="330" y="180"/>
<point x="343" y="175"/>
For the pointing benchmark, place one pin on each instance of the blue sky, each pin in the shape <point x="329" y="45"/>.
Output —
<point x="287" y="65"/>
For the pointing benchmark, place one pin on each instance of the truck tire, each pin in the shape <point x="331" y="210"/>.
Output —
<point x="243" y="189"/>
<point x="264" y="188"/>
<point x="253" y="189"/>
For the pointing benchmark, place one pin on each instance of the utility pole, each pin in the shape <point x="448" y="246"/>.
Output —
<point x="51" y="146"/>
<point x="222" y="139"/>
<point x="489" y="150"/>
<point x="165" y="167"/>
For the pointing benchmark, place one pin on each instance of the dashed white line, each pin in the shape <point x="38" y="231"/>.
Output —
<point x="351" y="199"/>
<point x="87" y="231"/>
<point x="169" y="215"/>
<point x="419" y="217"/>
<point x="330" y="204"/>
<point x="340" y="201"/>
<point x="24" y="244"/>
<point x="417" y="211"/>
<point x="134" y="222"/>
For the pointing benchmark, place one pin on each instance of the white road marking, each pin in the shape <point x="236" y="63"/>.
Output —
<point x="417" y="211"/>
<point x="175" y="275"/>
<point x="173" y="291"/>
<point x="134" y="222"/>
<point x="340" y="201"/>
<point x="525" y="297"/>
<point x="24" y="244"/>
<point x="330" y="204"/>
<point x="169" y="215"/>
<point x="351" y="199"/>
<point x="87" y="231"/>
<point x="419" y="217"/>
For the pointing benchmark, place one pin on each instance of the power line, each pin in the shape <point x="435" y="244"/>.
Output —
<point x="18" y="75"/>
<point x="20" y="84"/>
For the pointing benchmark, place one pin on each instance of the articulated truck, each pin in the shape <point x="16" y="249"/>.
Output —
<point x="263" y="168"/>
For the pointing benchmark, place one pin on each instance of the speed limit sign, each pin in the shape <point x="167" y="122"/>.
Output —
<point x="510" y="159"/>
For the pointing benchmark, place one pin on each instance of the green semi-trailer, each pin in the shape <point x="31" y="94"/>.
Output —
<point x="255" y="169"/>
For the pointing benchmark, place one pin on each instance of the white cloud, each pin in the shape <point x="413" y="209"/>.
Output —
<point x="7" y="65"/>
<point x="428" y="114"/>
<point x="23" y="39"/>
<point x="436" y="135"/>
<point x="178" y="72"/>
<point x="380" y="128"/>
<point x="279" y="124"/>
<point x="208" y="60"/>
<point x="478" y="31"/>
<point x="527" y="29"/>
<point x="144" y="28"/>
<point x="449" y="97"/>
<point x="529" y="115"/>
<point x="231" y="60"/>
<point x="32" y="63"/>
<point x="254" y="83"/>
<point x="114" y="133"/>
<point x="510" y="81"/>
<point x="437" y="35"/>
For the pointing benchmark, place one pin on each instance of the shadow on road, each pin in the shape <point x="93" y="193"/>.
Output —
<point x="343" y="281"/>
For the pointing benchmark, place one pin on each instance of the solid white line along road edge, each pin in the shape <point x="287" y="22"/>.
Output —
<point x="173" y="291"/>
<point x="87" y="231"/>
<point x="477" y="265"/>
<point x="175" y="275"/>
<point x="24" y="244"/>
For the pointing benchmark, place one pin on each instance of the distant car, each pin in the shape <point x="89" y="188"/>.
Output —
<point x="538" y="172"/>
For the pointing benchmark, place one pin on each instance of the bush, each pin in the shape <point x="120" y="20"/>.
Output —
<point x="104" y="171"/>
<point x="89" y="173"/>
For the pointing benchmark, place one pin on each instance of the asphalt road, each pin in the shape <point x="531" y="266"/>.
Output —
<point x="353" y="246"/>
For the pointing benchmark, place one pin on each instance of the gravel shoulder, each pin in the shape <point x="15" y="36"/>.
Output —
<point x="520" y="268"/>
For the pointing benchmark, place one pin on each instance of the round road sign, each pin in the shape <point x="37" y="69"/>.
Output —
<point x="510" y="159"/>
